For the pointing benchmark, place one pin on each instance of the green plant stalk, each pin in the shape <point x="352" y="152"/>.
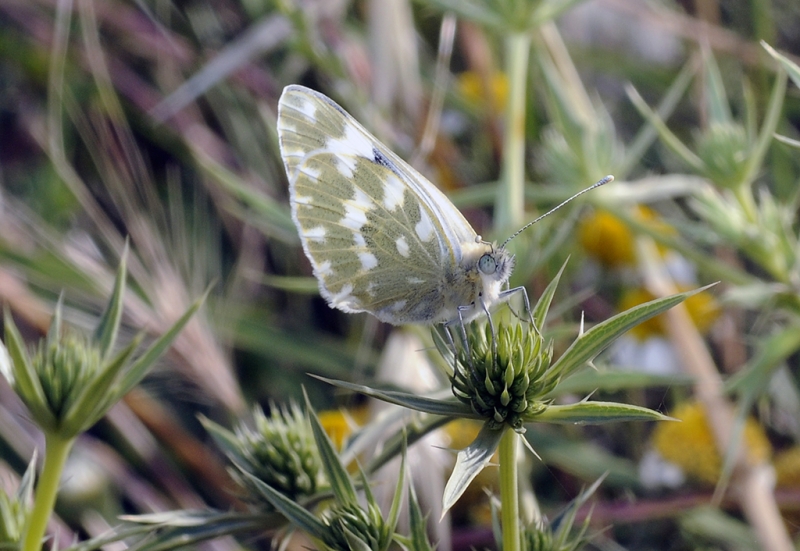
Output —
<point x="510" y="211"/>
<point x="57" y="450"/>
<point x="509" y="490"/>
<point x="744" y="196"/>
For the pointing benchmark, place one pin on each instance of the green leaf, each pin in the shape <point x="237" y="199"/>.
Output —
<point x="291" y="510"/>
<point x="23" y="378"/>
<point x="97" y="396"/>
<point x="595" y="413"/>
<point x="356" y="543"/>
<point x="223" y="438"/>
<point x="54" y="331"/>
<point x="470" y="461"/>
<point x="181" y="529"/>
<point x="292" y="284"/>
<point x="105" y="335"/>
<point x="591" y="380"/>
<point x="449" y="407"/>
<point x="716" y="97"/>
<point x="717" y="529"/>
<point x="789" y="66"/>
<point x="751" y="381"/>
<point x="397" y="500"/>
<point x="772" y="117"/>
<point x="417" y="524"/>
<point x="788" y="141"/>
<point x="637" y="148"/>
<point x="341" y="485"/>
<point x="587" y="346"/>
<point x="666" y="135"/>
<point x="543" y="304"/>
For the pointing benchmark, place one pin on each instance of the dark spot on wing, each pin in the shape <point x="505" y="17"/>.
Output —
<point x="380" y="159"/>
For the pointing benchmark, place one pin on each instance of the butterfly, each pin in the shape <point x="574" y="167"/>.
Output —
<point x="380" y="237"/>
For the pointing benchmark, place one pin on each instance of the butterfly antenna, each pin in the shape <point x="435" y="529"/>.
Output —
<point x="602" y="182"/>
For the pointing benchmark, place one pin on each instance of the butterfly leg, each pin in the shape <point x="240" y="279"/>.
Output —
<point x="505" y="295"/>
<point x="465" y="342"/>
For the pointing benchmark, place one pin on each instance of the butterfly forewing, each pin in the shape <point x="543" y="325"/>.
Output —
<point x="380" y="237"/>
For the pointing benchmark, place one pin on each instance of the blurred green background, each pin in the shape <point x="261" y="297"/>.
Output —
<point x="155" y="121"/>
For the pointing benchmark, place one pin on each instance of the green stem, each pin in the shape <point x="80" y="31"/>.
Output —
<point x="57" y="450"/>
<point x="744" y="196"/>
<point x="509" y="490"/>
<point x="510" y="212"/>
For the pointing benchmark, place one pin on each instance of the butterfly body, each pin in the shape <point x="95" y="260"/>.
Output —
<point x="380" y="237"/>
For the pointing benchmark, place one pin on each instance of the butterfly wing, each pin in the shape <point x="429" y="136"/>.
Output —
<point x="380" y="237"/>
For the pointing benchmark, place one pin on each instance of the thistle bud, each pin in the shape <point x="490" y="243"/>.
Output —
<point x="503" y="377"/>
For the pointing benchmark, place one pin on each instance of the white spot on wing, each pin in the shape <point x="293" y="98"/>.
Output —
<point x="343" y="299"/>
<point x="368" y="261"/>
<point x="316" y="234"/>
<point x="424" y="227"/>
<point x="355" y="211"/>
<point x="324" y="269"/>
<point x="399" y="305"/>
<point x="402" y="246"/>
<point x="307" y="108"/>
<point x="415" y="280"/>
<point x="346" y="166"/>
<point x="392" y="192"/>
<point x="362" y="198"/>
<point x="358" y="239"/>
<point x="354" y="217"/>
<point x="352" y="143"/>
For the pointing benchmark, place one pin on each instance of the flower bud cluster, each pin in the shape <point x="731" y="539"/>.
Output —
<point x="503" y="377"/>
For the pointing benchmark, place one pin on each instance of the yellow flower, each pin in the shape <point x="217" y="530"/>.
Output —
<point x="471" y="85"/>
<point x="474" y="505"/>
<point x="607" y="239"/>
<point x="703" y="309"/>
<point x="787" y="467"/>
<point x="690" y="444"/>
<point x="339" y="424"/>
<point x="610" y="241"/>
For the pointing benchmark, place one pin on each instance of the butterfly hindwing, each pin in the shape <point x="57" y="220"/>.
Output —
<point x="380" y="237"/>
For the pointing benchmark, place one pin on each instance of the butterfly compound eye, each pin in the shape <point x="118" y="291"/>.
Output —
<point x="487" y="264"/>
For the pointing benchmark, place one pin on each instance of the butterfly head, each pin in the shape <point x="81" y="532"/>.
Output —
<point x="491" y="267"/>
<point x="495" y="264"/>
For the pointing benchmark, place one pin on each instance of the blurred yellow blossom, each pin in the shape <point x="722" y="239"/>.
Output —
<point x="475" y="503"/>
<point x="606" y="239"/>
<point x="339" y="424"/>
<point x="703" y="309"/>
<point x="610" y="241"/>
<point x="690" y="444"/>
<point x="787" y="467"/>
<point x="471" y="86"/>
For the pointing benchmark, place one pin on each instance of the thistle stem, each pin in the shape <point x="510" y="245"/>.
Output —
<point x="509" y="490"/>
<point x="57" y="450"/>
<point x="510" y="212"/>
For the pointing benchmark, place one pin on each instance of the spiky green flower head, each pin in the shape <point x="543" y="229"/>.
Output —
<point x="353" y="527"/>
<point x="279" y="450"/>
<point x="15" y="510"/>
<point x="65" y="365"/>
<point x="724" y="149"/>
<point x="503" y="376"/>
